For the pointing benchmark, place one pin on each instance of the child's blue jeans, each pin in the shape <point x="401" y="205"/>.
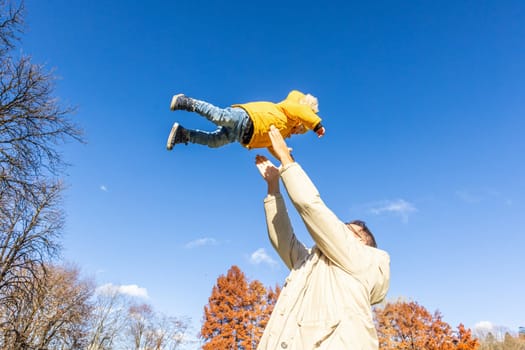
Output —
<point x="231" y="123"/>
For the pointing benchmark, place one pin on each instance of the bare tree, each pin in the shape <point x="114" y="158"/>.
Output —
<point x="167" y="332"/>
<point x="108" y="318"/>
<point x="499" y="338"/>
<point x="139" y="320"/>
<point x="119" y="322"/>
<point x="10" y="21"/>
<point x="149" y="330"/>
<point x="53" y="316"/>
<point x="32" y="124"/>
<point x="29" y="224"/>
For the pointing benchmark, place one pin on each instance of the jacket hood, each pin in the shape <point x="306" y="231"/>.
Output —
<point x="295" y="96"/>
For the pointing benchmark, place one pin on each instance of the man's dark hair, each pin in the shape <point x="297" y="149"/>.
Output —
<point x="364" y="233"/>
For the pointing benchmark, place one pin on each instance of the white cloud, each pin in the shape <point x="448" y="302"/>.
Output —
<point x="103" y="188"/>
<point x="134" y="291"/>
<point x="131" y="290"/>
<point x="482" y="329"/>
<point x="484" y="325"/>
<point x="107" y="288"/>
<point x="200" y="242"/>
<point x="260" y="256"/>
<point x="397" y="207"/>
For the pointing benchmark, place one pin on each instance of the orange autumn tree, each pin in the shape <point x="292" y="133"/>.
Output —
<point x="237" y="312"/>
<point x="409" y="326"/>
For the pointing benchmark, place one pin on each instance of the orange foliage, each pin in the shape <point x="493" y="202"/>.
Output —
<point x="237" y="312"/>
<point x="408" y="325"/>
<point x="465" y="340"/>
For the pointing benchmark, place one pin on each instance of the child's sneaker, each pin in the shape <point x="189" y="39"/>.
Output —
<point x="182" y="102"/>
<point x="178" y="134"/>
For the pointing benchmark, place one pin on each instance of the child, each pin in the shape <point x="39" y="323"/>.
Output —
<point x="247" y="123"/>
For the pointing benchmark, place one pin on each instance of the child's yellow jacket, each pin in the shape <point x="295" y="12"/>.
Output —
<point x="284" y="115"/>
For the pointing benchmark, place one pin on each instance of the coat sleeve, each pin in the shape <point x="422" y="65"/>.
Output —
<point x="329" y="233"/>
<point x="280" y="231"/>
<point x="302" y="113"/>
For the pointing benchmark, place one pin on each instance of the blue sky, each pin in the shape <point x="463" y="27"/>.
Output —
<point x="424" y="106"/>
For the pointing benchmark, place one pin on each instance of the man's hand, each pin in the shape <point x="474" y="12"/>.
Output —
<point x="279" y="148"/>
<point x="269" y="172"/>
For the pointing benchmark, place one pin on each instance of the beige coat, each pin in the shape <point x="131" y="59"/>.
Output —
<point x="325" y="302"/>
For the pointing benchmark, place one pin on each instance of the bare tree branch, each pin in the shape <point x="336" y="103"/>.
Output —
<point x="53" y="316"/>
<point x="32" y="125"/>
<point x="11" y="21"/>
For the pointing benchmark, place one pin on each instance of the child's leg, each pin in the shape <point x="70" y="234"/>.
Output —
<point x="214" y="139"/>
<point x="228" y="117"/>
<point x="219" y="116"/>
<point x="232" y="120"/>
<point x="180" y="134"/>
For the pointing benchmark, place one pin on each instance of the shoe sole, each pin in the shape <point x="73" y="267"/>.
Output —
<point x="171" y="139"/>
<point x="173" y="103"/>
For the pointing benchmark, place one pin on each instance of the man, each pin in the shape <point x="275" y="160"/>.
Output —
<point x="326" y="300"/>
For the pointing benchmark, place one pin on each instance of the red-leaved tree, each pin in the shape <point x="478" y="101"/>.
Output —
<point x="408" y="325"/>
<point x="237" y="312"/>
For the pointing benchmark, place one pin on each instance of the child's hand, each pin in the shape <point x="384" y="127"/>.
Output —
<point x="320" y="132"/>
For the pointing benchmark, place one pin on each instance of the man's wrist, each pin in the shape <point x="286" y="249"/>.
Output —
<point x="273" y="187"/>
<point x="270" y="197"/>
<point x="287" y="159"/>
<point x="284" y="168"/>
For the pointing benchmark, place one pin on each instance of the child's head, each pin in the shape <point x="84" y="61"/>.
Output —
<point x="310" y="101"/>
